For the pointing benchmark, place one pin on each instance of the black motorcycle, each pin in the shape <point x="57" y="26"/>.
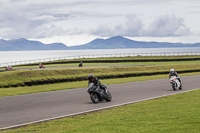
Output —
<point x="80" y="64"/>
<point x="97" y="94"/>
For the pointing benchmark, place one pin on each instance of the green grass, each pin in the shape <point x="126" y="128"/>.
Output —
<point x="108" y="64"/>
<point x="172" y="114"/>
<point x="178" y="113"/>
<point x="110" y="58"/>
<point x="19" y="77"/>
<point x="72" y="85"/>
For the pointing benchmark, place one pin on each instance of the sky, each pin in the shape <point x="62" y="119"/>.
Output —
<point x="76" y="22"/>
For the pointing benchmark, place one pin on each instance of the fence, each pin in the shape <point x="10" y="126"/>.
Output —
<point x="98" y="56"/>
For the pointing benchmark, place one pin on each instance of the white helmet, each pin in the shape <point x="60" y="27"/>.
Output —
<point x="172" y="70"/>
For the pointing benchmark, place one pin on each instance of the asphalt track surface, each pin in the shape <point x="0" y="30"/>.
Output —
<point x="32" y="108"/>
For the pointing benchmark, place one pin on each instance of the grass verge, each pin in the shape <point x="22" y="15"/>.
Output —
<point x="137" y="60"/>
<point x="170" y="114"/>
<point x="108" y="64"/>
<point x="12" y="78"/>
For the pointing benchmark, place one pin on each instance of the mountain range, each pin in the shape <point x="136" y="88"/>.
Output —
<point x="116" y="42"/>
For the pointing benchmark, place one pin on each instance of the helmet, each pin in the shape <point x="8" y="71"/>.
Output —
<point x="172" y="70"/>
<point x="91" y="76"/>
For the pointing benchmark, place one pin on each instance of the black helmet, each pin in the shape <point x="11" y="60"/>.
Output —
<point x="91" y="76"/>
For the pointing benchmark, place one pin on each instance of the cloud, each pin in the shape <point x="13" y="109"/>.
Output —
<point x="133" y="26"/>
<point x="167" y="25"/>
<point x="130" y="27"/>
<point x="48" y="18"/>
<point x="18" y="24"/>
<point x="38" y="19"/>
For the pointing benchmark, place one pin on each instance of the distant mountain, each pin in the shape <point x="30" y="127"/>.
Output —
<point x="119" y="42"/>
<point x="25" y="45"/>
<point x="116" y="42"/>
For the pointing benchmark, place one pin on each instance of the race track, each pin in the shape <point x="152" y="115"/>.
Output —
<point x="70" y="67"/>
<point x="31" y="108"/>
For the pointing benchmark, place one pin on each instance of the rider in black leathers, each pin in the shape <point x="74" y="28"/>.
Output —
<point x="174" y="73"/>
<point x="80" y="64"/>
<point x="95" y="80"/>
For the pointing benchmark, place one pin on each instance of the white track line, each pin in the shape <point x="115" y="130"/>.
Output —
<point x="59" y="117"/>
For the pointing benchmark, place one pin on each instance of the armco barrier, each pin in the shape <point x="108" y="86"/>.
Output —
<point x="74" y="79"/>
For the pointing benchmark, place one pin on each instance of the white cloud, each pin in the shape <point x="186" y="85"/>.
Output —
<point x="131" y="26"/>
<point x="163" y="26"/>
<point x="167" y="25"/>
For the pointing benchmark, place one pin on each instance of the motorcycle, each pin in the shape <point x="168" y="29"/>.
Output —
<point x="97" y="94"/>
<point x="175" y="83"/>
<point x="41" y="65"/>
<point x="80" y="65"/>
<point x="7" y="68"/>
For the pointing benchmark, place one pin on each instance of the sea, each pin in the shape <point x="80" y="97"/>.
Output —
<point x="14" y="56"/>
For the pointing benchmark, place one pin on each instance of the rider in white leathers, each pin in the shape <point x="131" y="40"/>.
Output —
<point x="174" y="73"/>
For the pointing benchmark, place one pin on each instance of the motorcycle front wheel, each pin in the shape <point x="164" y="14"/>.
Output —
<point x="174" y="86"/>
<point x="180" y="88"/>
<point x="94" y="98"/>
<point x="108" y="97"/>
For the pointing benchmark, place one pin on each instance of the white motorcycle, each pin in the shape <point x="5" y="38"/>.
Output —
<point x="175" y="83"/>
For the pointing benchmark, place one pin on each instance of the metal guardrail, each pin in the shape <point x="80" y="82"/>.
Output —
<point x="97" y="56"/>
